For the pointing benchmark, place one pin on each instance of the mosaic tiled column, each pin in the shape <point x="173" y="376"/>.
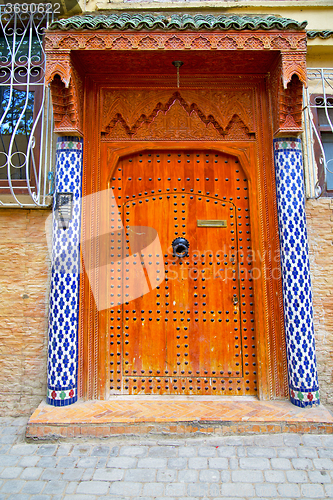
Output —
<point x="62" y="366"/>
<point x="297" y="295"/>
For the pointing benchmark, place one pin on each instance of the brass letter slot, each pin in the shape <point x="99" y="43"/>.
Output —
<point x="211" y="223"/>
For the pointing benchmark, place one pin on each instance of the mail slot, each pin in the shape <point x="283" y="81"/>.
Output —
<point x="211" y="223"/>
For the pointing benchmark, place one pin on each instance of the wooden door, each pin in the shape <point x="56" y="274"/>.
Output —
<point x="194" y="332"/>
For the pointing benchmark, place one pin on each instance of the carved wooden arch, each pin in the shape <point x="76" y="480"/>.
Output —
<point x="68" y="100"/>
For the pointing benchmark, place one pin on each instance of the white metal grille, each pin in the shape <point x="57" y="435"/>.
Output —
<point x="318" y="130"/>
<point x="26" y="122"/>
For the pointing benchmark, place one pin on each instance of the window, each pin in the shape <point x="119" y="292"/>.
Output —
<point x="25" y="111"/>
<point x="319" y="129"/>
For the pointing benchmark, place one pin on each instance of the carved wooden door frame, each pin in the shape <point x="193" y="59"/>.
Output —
<point x="279" y="111"/>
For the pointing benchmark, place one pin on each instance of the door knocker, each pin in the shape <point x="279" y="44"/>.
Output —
<point x="180" y="247"/>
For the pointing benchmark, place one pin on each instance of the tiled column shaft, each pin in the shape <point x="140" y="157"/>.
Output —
<point x="297" y="295"/>
<point x="62" y="365"/>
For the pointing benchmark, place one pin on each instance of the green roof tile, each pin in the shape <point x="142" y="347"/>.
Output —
<point x="175" y="22"/>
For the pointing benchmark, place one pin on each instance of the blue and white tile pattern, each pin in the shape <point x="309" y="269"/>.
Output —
<point x="65" y="280"/>
<point x="297" y="295"/>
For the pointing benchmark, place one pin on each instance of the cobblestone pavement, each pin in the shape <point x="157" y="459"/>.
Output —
<point x="286" y="466"/>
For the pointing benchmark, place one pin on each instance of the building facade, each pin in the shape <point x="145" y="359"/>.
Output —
<point x="166" y="203"/>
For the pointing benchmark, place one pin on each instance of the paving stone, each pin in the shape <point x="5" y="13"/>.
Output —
<point x="29" y="461"/>
<point x="297" y="476"/>
<point x="312" y="439"/>
<point x="162" y="451"/>
<point x="255" y="463"/>
<point x="287" y="452"/>
<point x="122" y="462"/>
<point x="79" y="497"/>
<point x="140" y="475"/>
<point x="214" y="489"/>
<point x="218" y="463"/>
<point x="266" y="490"/>
<point x="31" y="473"/>
<point x="175" y="489"/>
<point x="12" y="486"/>
<point x="241" y="451"/>
<point x="247" y="476"/>
<point x="52" y="474"/>
<point x="199" y="462"/>
<point x="23" y="449"/>
<point x="88" y="474"/>
<point x="292" y="439"/>
<point x="152" y="463"/>
<point x="302" y="463"/>
<point x="237" y="490"/>
<point x="153" y="489"/>
<point x="198" y="489"/>
<point x="11" y="472"/>
<point x="312" y="491"/>
<point x="33" y="487"/>
<point x="327" y="441"/>
<point x="100" y="451"/>
<point x="209" y="476"/>
<point x="93" y="487"/>
<point x="323" y="463"/>
<point x="187" y="451"/>
<point x="64" y="450"/>
<point x="54" y="486"/>
<point x="80" y="450"/>
<point x="71" y="487"/>
<point x="188" y="476"/>
<point x="47" y="449"/>
<point x="319" y="476"/>
<point x="259" y="451"/>
<point x="233" y="463"/>
<point x="325" y="452"/>
<point x="206" y="451"/>
<point x="281" y="463"/>
<point x="72" y="474"/>
<point x="133" y="451"/>
<point x="269" y="440"/>
<point x="289" y="490"/>
<point x="67" y="462"/>
<point x="329" y="490"/>
<point x="102" y="461"/>
<point x="87" y="462"/>
<point x="307" y="452"/>
<point x="46" y="461"/>
<point x="165" y="476"/>
<point x="18" y="496"/>
<point x="275" y="476"/>
<point x="125" y="488"/>
<point x="108" y="475"/>
<point x="177" y="463"/>
<point x="226" y="451"/>
<point x="8" y="460"/>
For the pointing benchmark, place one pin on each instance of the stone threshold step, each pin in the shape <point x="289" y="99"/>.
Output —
<point x="175" y="417"/>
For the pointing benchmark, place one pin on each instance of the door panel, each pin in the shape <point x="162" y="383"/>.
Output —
<point x="194" y="333"/>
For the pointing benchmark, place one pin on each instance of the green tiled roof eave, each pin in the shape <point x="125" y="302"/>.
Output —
<point x="319" y="34"/>
<point x="175" y="22"/>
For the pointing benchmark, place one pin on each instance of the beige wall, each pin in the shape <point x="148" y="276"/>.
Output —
<point x="320" y="234"/>
<point x="24" y="285"/>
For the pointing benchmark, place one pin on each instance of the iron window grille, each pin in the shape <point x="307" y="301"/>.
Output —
<point x="318" y="129"/>
<point x="26" y="122"/>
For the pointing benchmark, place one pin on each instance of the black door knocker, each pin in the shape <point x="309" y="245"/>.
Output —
<point x="180" y="247"/>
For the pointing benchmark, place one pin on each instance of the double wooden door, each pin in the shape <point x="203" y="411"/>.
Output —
<point x="191" y="329"/>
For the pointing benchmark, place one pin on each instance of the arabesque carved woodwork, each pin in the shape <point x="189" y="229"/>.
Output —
<point x="67" y="106"/>
<point x="66" y="87"/>
<point x="165" y="115"/>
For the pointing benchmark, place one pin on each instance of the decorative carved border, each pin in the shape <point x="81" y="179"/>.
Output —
<point x="68" y="98"/>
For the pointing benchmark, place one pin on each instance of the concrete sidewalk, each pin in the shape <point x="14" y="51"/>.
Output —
<point x="288" y="466"/>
